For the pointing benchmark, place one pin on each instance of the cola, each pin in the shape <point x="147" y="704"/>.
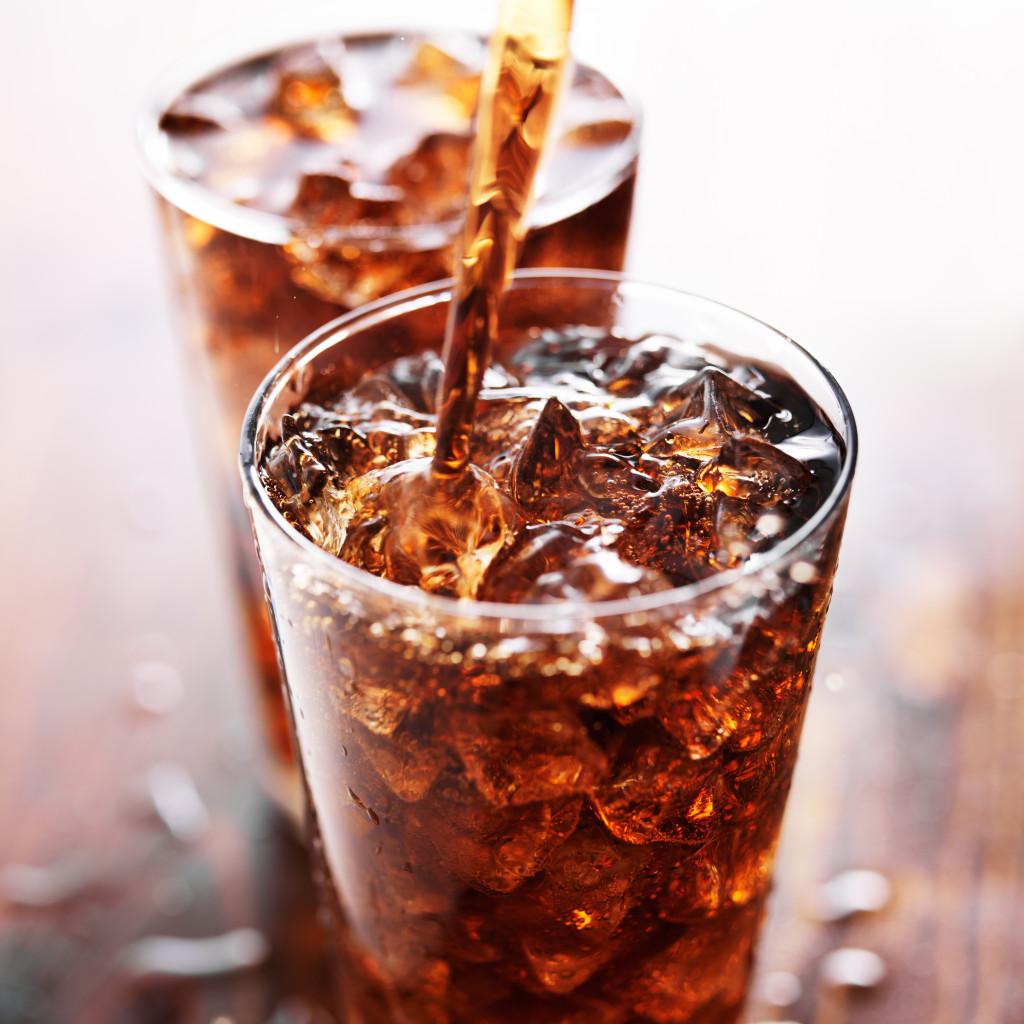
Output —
<point x="297" y="183"/>
<point x="603" y="467"/>
<point x="548" y="709"/>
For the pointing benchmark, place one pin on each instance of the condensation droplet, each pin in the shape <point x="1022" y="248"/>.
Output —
<point x="177" y="801"/>
<point x="852" y="968"/>
<point x="780" y="988"/>
<point x="164" y="956"/>
<point x="28" y="885"/>
<point x="771" y="523"/>
<point x="850" y="893"/>
<point x="157" y="687"/>
<point x="835" y="682"/>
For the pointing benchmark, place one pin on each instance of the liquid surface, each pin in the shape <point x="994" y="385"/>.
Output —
<point x="603" y="467"/>
<point x="373" y="133"/>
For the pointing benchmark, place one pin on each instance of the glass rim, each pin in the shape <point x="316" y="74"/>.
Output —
<point x="553" y="614"/>
<point x="224" y="51"/>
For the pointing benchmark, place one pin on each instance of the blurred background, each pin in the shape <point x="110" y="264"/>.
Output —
<point x="850" y="174"/>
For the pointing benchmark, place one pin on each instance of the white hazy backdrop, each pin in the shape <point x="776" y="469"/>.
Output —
<point x="850" y="173"/>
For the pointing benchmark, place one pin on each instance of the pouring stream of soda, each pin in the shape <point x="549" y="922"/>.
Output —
<point x="518" y="97"/>
<point x="445" y="518"/>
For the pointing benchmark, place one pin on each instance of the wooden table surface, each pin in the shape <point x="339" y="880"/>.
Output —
<point x="143" y="876"/>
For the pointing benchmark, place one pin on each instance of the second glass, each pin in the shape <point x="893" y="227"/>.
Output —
<point x="298" y="180"/>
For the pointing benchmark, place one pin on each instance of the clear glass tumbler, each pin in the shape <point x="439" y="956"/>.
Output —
<point x="303" y="171"/>
<point x="563" y="810"/>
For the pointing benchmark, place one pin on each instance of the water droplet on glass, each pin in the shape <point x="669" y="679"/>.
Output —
<point x="803" y="572"/>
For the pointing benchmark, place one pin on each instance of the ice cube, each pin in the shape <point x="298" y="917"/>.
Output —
<point x="406" y="898"/>
<point x="433" y="532"/>
<point x="706" y="969"/>
<point x="648" y="364"/>
<point x="672" y="532"/>
<point x="743" y="528"/>
<point x="372" y="703"/>
<point x="342" y="449"/>
<point x="568" y="917"/>
<point x="544" y="471"/>
<point x="754" y="775"/>
<point x="717" y="400"/>
<point x="756" y="471"/>
<point x="408" y="760"/>
<point x="692" y="884"/>
<point x="516" y="758"/>
<point x="605" y="424"/>
<point x="657" y="794"/>
<point x="536" y="550"/>
<point x="448" y="66"/>
<point x="493" y="849"/>
<point x="399" y="438"/>
<point x="414" y="379"/>
<point x="324" y="201"/>
<point x="685" y="443"/>
<point x="310" y="101"/>
<point x="596" y="574"/>
<point x="612" y="483"/>
<point x="709" y="704"/>
<point x="576" y="356"/>
<point x="501" y="423"/>
<point x="304" y="490"/>
<point x="435" y="176"/>
<point x="349" y="275"/>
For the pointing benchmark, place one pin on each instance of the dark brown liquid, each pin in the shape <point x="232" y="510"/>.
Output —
<point x="570" y="826"/>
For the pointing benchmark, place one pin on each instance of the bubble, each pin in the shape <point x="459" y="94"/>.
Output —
<point x="803" y="572"/>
